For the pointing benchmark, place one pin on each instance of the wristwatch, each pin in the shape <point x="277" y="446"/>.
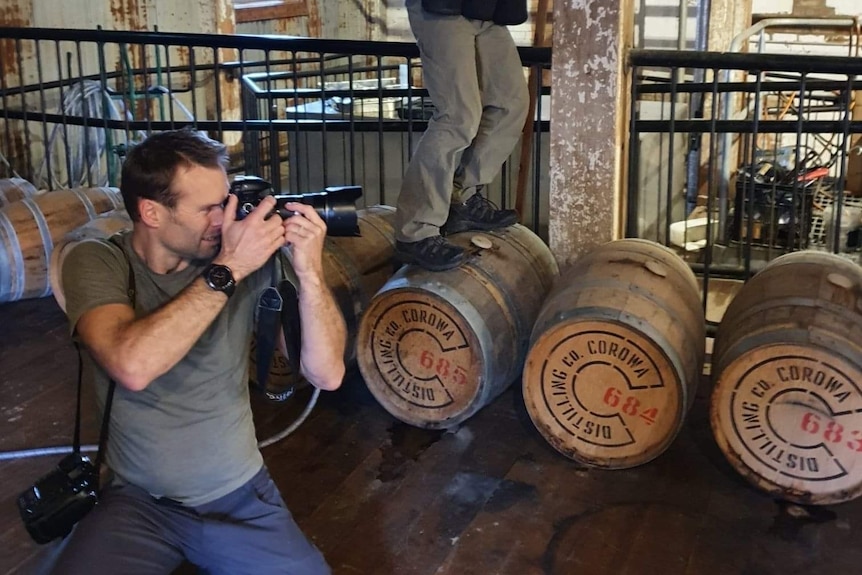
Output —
<point x="219" y="278"/>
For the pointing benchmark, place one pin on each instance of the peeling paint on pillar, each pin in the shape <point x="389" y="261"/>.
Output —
<point x="225" y="17"/>
<point x="588" y="111"/>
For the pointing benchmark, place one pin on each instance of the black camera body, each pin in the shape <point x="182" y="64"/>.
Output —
<point x="336" y="206"/>
<point x="57" y="501"/>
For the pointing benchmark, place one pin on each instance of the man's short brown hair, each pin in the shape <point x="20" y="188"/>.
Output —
<point x="150" y="166"/>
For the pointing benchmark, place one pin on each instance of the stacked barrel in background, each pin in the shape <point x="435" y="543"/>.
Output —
<point x="435" y="347"/>
<point x="30" y="226"/>
<point x="786" y="409"/>
<point x="14" y="189"/>
<point x="616" y="354"/>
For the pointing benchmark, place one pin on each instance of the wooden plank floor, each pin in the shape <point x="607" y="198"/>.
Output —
<point x="381" y="497"/>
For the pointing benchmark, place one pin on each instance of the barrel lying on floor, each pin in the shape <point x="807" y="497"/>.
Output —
<point x="786" y="409"/>
<point x="435" y="347"/>
<point x="616" y="355"/>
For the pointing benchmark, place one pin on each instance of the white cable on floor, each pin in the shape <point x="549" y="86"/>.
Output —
<point x="302" y="417"/>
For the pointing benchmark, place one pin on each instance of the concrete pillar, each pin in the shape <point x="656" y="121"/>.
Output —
<point x="589" y="112"/>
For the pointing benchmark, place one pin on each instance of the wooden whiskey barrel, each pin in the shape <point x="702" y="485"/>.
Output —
<point x="102" y="226"/>
<point x="435" y="347"/>
<point x="355" y="268"/>
<point x="616" y="354"/>
<point x="786" y="408"/>
<point x="14" y="189"/>
<point x="30" y="227"/>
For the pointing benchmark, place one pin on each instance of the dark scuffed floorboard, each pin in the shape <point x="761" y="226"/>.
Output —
<point x="415" y="497"/>
<point x="491" y="497"/>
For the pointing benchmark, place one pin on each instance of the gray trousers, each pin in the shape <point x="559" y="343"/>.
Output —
<point x="248" y="531"/>
<point x="474" y="76"/>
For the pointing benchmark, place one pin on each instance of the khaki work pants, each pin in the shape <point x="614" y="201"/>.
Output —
<point x="476" y="82"/>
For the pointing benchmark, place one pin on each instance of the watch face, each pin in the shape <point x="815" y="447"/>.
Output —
<point x="220" y="276"/>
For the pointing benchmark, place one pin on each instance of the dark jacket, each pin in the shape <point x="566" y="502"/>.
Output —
<point x="503" y="12"/>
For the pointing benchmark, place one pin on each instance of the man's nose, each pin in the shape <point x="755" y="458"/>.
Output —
<point x="217" y="216"/>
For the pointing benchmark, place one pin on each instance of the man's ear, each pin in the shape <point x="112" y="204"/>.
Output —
<point x="152" y="213"/>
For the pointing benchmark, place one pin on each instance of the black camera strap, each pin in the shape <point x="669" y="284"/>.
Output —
<point x="278" y="305"/>
<point x="76" y="438"/>
<point x="103" y="432"/>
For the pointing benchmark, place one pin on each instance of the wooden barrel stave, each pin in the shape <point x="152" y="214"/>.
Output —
<point x="435" y="347"/>
<point x="625" y="290"/>
<point x="14" y="189"/>
<point x="779" y="295"/>
<point x="626" y="305"/>
<point x="627" y="310"/>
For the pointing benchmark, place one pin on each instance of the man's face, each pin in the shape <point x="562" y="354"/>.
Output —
<point x="193" y="229"/>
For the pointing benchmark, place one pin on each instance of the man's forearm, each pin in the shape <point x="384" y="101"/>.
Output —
<point x="146" y="348"/>
<point x="324" y="336"/>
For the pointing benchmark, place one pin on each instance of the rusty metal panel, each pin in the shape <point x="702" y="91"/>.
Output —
<point x="127" y="14"/>
<point x="359" y="20"/>
<point x="315" y="18"/>
<point x="12" y="13"/>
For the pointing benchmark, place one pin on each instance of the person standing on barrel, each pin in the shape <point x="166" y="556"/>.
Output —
<point x="189" y="483"/>
<point x="474" y="76"/>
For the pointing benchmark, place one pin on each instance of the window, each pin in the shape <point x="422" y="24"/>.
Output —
<point x="254" y="10"/>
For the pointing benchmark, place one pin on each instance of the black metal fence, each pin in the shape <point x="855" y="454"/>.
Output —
<point x="303" y="113"/>
<point x="738" y="158"/>
<point x="733" y="158"/>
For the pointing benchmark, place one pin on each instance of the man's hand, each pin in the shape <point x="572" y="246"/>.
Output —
<point x="248" y="244"/>
<point x="305" y="233"/>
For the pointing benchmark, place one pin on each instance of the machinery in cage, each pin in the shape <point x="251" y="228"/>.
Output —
<point x="771" y="210"/>
<point x="773" y="206"/>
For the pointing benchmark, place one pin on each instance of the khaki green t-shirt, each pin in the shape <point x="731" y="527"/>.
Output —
<point x="189" y="435"/>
